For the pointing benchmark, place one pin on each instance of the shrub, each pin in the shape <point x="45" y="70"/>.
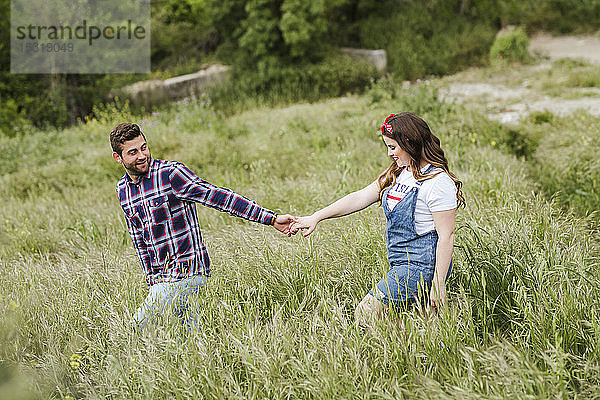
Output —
<point x="556" y="16"/>
<point x="11" y="119"/>
<point x="541" y="117"/>
<point x="590" y="78"/>
<point x="418" y="44"/>
<point x="510" y="47"/>
<point x="335" y="76"/>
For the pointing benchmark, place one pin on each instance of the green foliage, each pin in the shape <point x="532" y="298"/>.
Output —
<point x="181" y="33"/>
<point x="421" y="39"/>
<point x="557" y="16"/>
<point x="335" y="76"/>
<point x="419" y="42"/>
<point x="589" y="78"/>
<point x="268" y="33"/>
<point x="260" y="37"/>
<point x="579" y="73"/>
<point x="510" y="47"/>
<point x="305" y="23"/>
<point x="385" y="88"/>
<point x="12" y="120"/>
<point x="59" y="100"/>
<point x="541" y="117"/>
<point x="521" y="143"/>
<point x="569" y="64"/>
<point x="276" y="317"/>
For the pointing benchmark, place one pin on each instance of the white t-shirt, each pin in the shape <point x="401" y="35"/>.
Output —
<point x="435" y="194"/>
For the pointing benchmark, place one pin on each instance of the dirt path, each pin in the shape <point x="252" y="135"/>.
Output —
<point x="507" y="102"/>
<point x="579" y="47"/>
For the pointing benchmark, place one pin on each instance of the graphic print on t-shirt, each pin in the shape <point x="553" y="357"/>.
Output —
<point x="397" y="193"/>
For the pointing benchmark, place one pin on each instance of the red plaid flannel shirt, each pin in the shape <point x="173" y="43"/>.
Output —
<point x="162" y="221"/>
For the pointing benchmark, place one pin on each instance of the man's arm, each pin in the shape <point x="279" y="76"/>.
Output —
<point x="188" y="186"/>
<point x="140" y="246"/>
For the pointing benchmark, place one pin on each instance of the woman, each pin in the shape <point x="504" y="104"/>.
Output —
<point x="419" y="196"/>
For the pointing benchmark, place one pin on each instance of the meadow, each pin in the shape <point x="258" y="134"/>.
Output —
<point x="277" y="314"/>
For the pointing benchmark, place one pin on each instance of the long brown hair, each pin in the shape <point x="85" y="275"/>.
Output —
<point x="414" y="137"/>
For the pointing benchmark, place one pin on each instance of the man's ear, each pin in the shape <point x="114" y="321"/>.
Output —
<point x="117" y="157"/>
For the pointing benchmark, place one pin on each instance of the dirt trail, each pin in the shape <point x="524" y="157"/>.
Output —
<point x="579" y="47"/>
<point x="508" y="104"/>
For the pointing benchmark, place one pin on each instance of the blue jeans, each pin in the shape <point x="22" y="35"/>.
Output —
<point x="176" y="297"/>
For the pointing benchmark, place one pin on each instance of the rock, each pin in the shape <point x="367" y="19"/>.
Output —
<point x="376" y="57"/>
<point x="505" y="30"/>
<point x="192" y="84"/>
<point x="156" y="91"/>
<point x="146" y="92"/>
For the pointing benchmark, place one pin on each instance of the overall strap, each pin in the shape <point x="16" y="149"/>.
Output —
<point x="428" y="170"/>
<point x="384" y="198"/>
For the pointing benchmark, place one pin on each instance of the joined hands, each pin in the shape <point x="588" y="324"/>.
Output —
<point x="290" y="225"/>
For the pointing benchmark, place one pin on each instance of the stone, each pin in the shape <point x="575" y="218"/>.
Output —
<point x="157" y="91"/>
<point x="376" y="57"/>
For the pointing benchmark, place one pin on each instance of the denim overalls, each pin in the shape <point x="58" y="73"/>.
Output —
<point x="411" y="256"/>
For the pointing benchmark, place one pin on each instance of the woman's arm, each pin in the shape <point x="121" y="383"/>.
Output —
<point x="444" y="225"/>
<point x="348" y="204"/>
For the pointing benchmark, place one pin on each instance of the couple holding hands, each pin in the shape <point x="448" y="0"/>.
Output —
<point x="418" y="193"/>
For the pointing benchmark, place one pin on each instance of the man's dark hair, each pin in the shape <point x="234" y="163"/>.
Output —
<point x="122" y="133"/>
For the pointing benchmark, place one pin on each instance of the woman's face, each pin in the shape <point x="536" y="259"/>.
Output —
<point x="400" y="156"/>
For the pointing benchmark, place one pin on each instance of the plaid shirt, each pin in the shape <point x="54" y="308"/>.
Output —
<point x="162" y="221"/>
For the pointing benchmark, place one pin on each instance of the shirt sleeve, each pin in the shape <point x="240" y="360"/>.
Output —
<point x="188" y="186"/>
<point x="140" y="247"/>
<point x="138" y="242"/>
<point x="442" y="196"/>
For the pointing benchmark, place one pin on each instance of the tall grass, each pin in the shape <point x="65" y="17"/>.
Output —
<point x="567" y="163"/>
<point x="277" y="315"/>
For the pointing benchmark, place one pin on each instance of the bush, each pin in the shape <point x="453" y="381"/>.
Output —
<point x="589" y="79"/>
<point x="556" y="16"/>
<point x="418" y="44"/>
<point x="333" y="77"/>
<point x="510" y="47"/>
<point x="12" y="120"/>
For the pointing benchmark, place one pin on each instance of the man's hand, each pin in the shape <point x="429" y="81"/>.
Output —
<point x="283" y="222"/>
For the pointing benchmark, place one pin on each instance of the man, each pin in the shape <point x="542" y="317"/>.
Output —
<point x="158" y="199"/>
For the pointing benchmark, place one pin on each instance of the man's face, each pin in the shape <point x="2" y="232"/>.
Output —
<point x="135" y="156"/>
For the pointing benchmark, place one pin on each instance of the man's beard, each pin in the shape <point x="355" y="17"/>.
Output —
<point x="134" y="168"/>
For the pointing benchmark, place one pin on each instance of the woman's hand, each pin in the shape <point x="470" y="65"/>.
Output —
<point x="348" y="204"/>
<point x="309" y="223"/>
<point x="437" y="296"/>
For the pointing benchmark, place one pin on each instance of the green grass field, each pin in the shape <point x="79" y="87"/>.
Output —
<point x="277" y="320"/>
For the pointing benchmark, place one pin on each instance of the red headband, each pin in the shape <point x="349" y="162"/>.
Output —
<point x="387" y="127"/>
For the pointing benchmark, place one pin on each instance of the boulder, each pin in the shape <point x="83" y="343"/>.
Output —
<point x="376" y="57"/>
<point x="156" y="91"/>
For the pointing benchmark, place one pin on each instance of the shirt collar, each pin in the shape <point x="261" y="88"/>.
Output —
<point x="425" y="167"/>
<point x="146" y="176"/>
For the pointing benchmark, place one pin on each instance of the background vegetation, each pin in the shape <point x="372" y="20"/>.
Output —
<point x="277" y="319"/>
<point x="286" y="41"/>
<point x="277" y="313"/>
